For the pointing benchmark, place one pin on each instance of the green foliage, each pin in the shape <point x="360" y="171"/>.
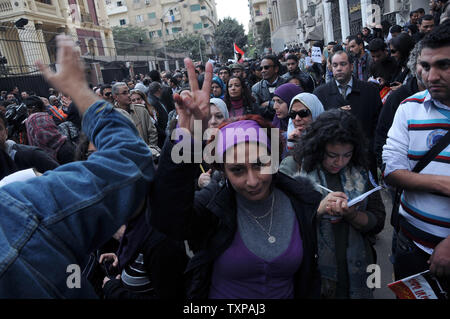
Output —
<point x="131" y="40"/>
<point x="229" y="31"/>
<point x="189" y="43"/>
<point x="265" y="36"/>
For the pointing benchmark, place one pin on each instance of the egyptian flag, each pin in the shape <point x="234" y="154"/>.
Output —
<point x="238" y="54"/>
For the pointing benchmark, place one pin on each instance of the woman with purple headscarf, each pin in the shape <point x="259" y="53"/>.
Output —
<point x="254" y="235"/>
<point x="282" y="98"/>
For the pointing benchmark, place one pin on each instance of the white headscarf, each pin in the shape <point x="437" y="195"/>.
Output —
<point x="309" y="100"/>
<point x="221" y="105"/>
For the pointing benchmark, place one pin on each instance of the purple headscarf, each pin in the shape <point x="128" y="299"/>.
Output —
<point x="239" y="132"/>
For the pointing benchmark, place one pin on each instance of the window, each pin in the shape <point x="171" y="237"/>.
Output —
<point x="119" y="3"/>
<point x="45" y="1"/>
<point x="139" y="18"/>
<point x="195" y="7"/>
<point x="151" y="15"/>
<point x="206" y="25"/>
<point x="136" y="1"/>
<point x="176" y="29"/>
<point x="203" y="7"/>
<point x="122" y="21"/>
<point x="198" y="26"/>
<point x="159" y="33"/>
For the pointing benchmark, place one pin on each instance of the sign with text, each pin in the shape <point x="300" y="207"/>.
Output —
<point x="316" y="55"/>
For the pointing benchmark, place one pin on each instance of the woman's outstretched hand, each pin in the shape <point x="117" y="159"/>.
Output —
<point x="193" y="105"/>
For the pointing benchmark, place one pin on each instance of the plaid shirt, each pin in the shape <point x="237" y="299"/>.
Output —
<point x="43" y="132"/>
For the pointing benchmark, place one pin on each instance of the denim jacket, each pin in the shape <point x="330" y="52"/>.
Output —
<point x="50" y="222"/>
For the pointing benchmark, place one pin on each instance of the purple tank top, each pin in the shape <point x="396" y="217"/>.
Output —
<point x="239" y="274"/>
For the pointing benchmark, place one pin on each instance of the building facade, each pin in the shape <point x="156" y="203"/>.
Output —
<point x="259" y="12"/>
<point x="332" y="20"/>
<point x="164" y="20"/>
<point x="28" y="30"/>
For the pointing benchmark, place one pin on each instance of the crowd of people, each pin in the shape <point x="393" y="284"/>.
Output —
<point x="88" y="174"/>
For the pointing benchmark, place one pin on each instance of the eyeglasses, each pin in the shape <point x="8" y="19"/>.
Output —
<point x="107" y="94"/>
<point x="302" y="113"/>
<point x="125" y="93"/>
<point x="266" y="67"/>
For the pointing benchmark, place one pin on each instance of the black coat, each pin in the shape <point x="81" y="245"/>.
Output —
<point x="364" y="100"/>
<point x="162" y="116"/>
<point x="388" y="112"/>
<point x="207" y="218"/>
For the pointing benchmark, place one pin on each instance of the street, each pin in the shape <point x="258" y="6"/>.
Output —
<point x="383" y="248"/>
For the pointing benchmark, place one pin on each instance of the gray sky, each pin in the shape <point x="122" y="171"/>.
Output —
<point x="237" y="9"/>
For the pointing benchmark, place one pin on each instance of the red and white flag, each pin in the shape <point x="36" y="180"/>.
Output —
<point x="238" y="54"/>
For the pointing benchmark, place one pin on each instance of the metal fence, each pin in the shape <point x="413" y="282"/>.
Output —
<point x="21" y="47"/>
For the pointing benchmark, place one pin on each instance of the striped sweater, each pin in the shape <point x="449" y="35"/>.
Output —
<point x="418" y="124"/>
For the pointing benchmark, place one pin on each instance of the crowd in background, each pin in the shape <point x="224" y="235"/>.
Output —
<point x="362" y="115"/>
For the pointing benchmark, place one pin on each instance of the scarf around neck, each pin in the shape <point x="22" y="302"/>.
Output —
<point x="355" y="181"/>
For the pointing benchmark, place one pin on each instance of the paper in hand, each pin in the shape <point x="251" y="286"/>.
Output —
<point x="361" y="197"/>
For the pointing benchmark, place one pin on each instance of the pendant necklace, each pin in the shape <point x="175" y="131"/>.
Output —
<point x="271" y="239"/>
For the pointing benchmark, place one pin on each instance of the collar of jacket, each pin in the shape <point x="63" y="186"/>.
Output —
<point x="356" y="87"/>
<point x="223" y="204"/>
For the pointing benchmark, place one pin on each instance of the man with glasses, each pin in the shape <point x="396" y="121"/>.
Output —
<point x="106" y="93"/>
<point x="360" y="98"/>
<point x="139" y="114"/>
<point x="263" y="91"/>
<point x="306" y="81"/>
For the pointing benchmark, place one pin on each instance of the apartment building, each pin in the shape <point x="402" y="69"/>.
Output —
<point x="164" y="20"/>
<point x="258" y="14"/>
<point x="28" y="30"/>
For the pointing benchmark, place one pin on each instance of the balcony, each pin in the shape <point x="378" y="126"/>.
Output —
<point x="48" y="9"/>
<point x="168" y="1"/>
<point x="259" y="1"/>
<point x="86" y="17"/>
<point x="175" y="17"/>
<point x="204" y="13"/>
<point x="11" y="8"/>
<point x="113" y="9"/>
<point x="6" y="7"/>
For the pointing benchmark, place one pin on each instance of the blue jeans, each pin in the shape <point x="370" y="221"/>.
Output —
<point x="55" y="220"/>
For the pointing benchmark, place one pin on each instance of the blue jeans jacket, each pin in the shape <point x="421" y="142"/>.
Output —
<point x="50" y="222"/>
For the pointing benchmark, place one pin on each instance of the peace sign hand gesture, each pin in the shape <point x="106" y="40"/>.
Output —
<point x="194" y="104"/>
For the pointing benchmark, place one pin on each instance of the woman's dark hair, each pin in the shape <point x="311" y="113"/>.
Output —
<point x="403" y="43"/>
<point x="245" y="94"/>
<point x="333" y="126"/>
<point x="385" y="68"/>
<point x="261" y="122"/>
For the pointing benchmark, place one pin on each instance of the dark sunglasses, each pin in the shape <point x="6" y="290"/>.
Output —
<point x="108" y="93"/>
<point x="302" y="113"/>
<point x="393" y="51"/>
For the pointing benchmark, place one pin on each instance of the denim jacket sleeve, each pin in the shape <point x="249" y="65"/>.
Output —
<point x="76" y="207"/>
